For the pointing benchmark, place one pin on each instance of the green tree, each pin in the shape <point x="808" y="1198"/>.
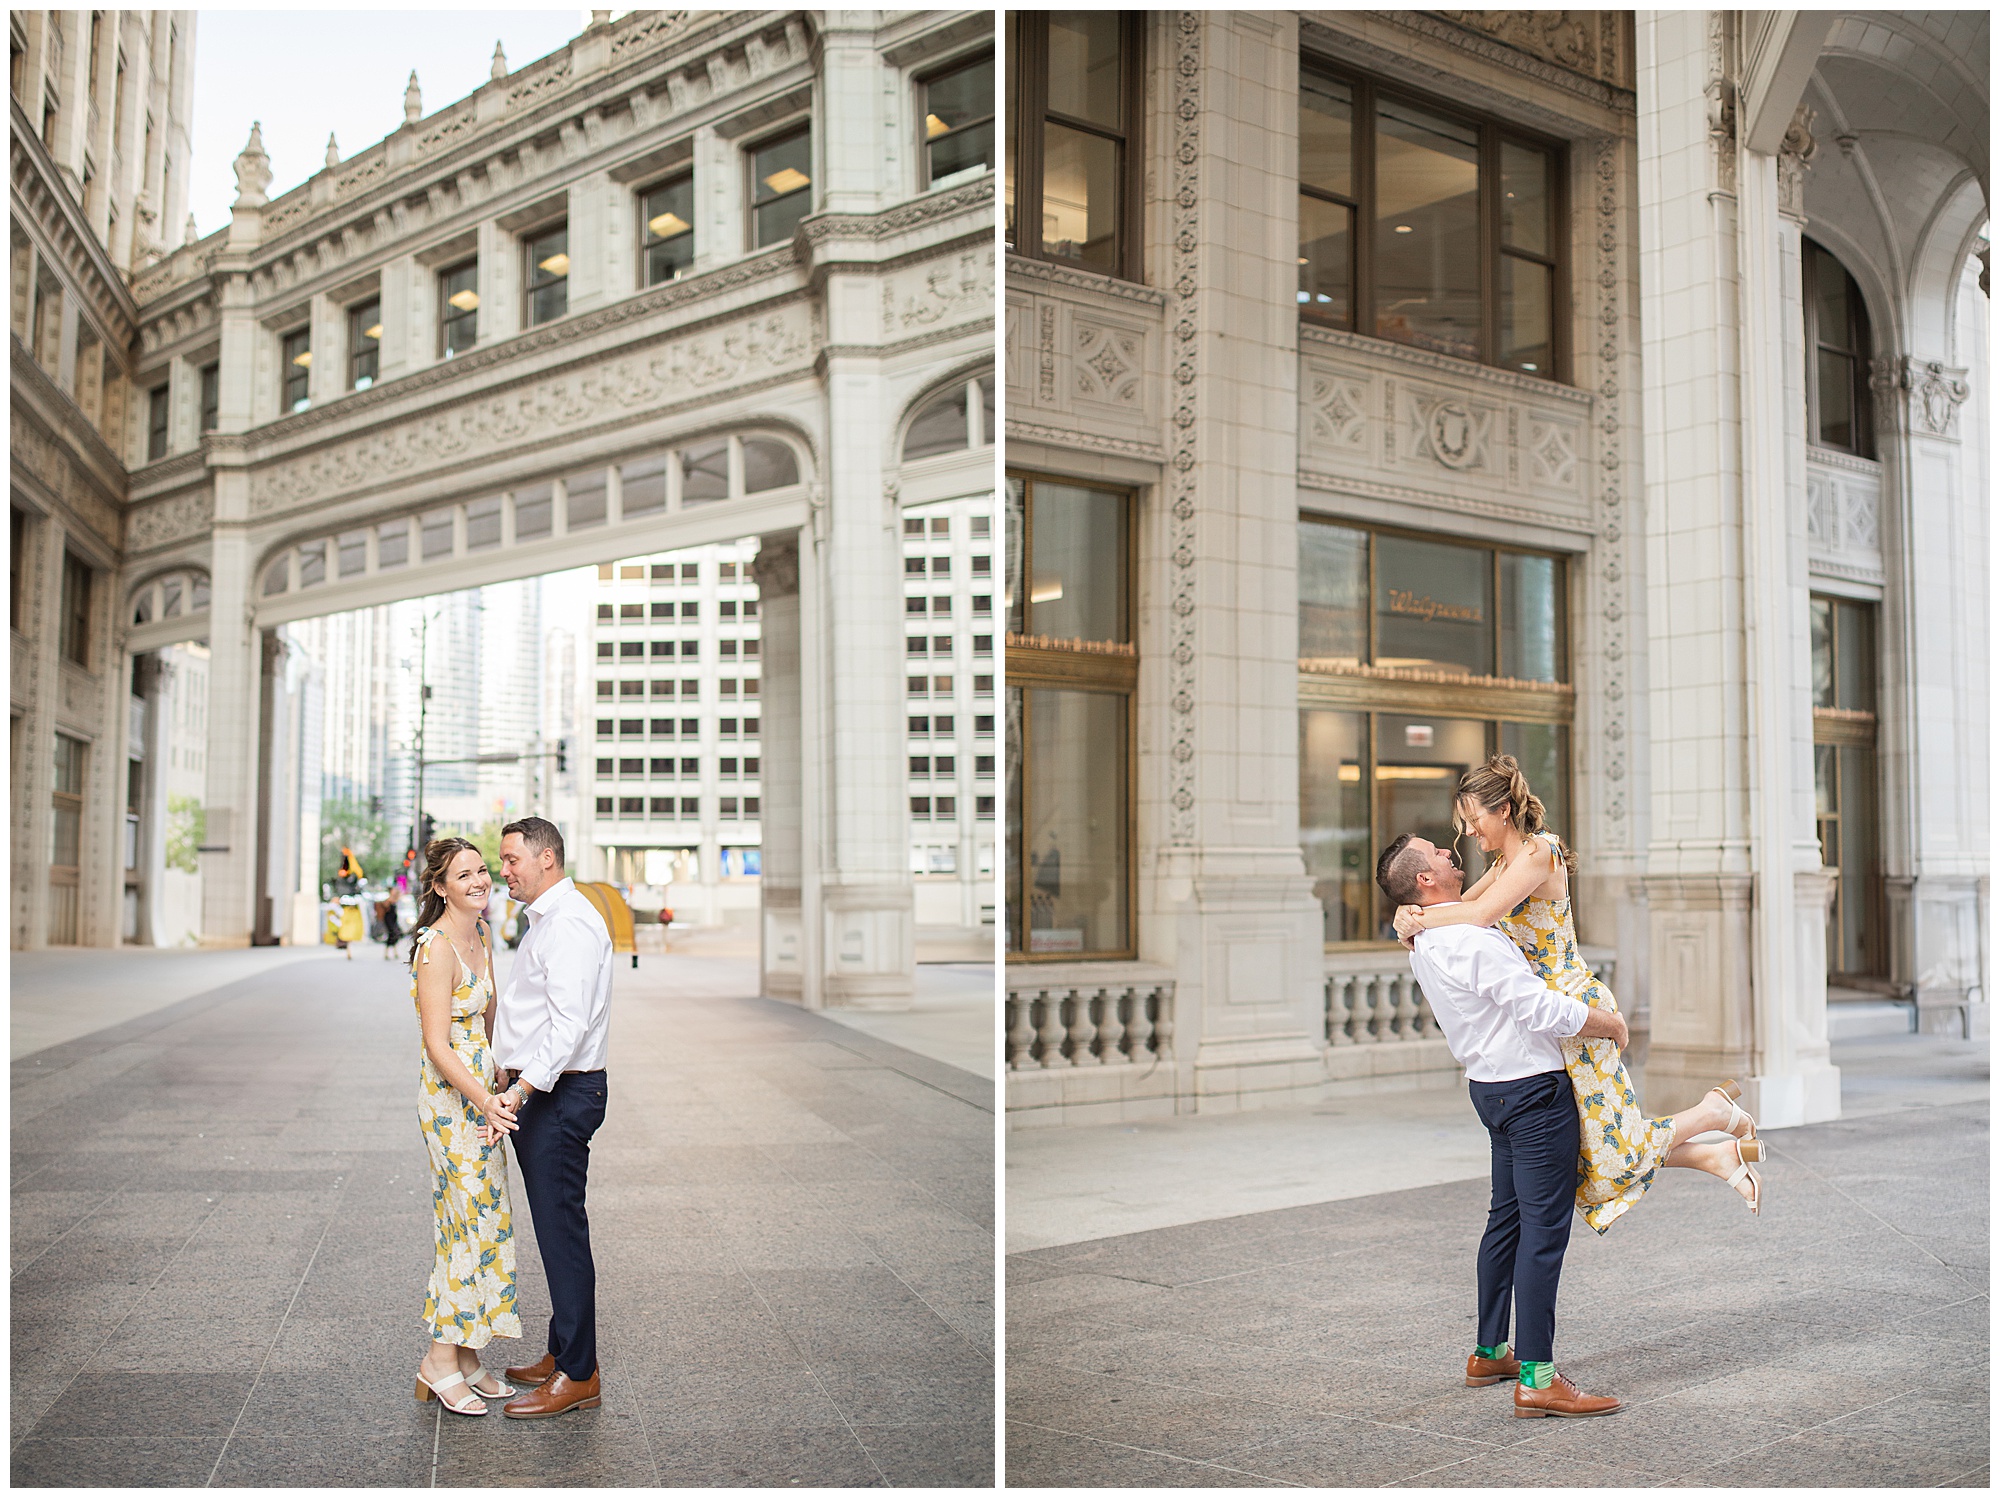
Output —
<point x="187" y="829"/>
<point x="353" y="824"/>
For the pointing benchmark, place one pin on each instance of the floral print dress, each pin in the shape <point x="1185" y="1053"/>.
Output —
<point x="471" y="1295"/>
<point x="1621" y="1148"/>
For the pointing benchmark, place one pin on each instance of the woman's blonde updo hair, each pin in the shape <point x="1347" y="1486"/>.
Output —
<point x="1499" y="785"/>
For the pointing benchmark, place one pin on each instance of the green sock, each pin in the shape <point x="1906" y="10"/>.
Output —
<point x="1491" y="1354"/>
<point x="1537" y="1375"/>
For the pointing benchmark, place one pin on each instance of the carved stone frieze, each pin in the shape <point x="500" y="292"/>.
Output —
<point x="51" y="463"/>
<point x="1568" y="38"/>
<point x="1843" y="515"/>
<point x="1107" y="362"/>
<point x="946" y="289"/>
<point x="1336" y="410"/>
<point x="169" y="520"/>
<point x="710" y="361"/>
<point x="814" y="232"/>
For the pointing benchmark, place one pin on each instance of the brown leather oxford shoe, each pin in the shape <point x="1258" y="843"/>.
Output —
<point x="558" y="1395"/>
<point x="531" y="1374"/>
<point x="1482" y="1371"/>
<point x="1561" y="1398"/>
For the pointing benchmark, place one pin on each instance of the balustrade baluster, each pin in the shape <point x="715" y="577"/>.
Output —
<point x="1020" y="1032"/>
<point x="1364" y="1010"/>
<point x="1139" y="1028"/>
<point x="1338" y="1010"/>
<point x="1082" y="1029"/>
<point x="1163" y="1024"/>
<point x="1427" y="1025"/>
<point x="1110" y="1028"/>
<point x="1406" y="1008"/>
<point x="1052" y="1032"/>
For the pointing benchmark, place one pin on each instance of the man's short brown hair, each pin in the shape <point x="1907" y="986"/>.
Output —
<point x="538" y="833"/>
<point x="1397" y="869"/>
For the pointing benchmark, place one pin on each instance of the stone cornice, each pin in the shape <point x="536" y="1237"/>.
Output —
<point x="1025" y="269"/>
<point x="1320" y="36"/>
<point x="37" y="188"/>
<point x="1403" y="354"/>
<point x="912" y="214"/>
<point x="1454" y="502"/>
<point x="1827" y="457"/>
<point x="764" y="266"/>
<point x="1078" y="441"/>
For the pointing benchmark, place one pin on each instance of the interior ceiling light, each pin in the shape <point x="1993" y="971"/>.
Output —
<point x="1404" y="229"/>
<point x="791" y="179"/>
<point x="465" y="300"/>
<point x="555" y="265"/>
<point x="667" y="225"/>
<point x="934" y="126"/>
<point x="1045" y="593"/>
<point x="304" y="360"/>
<point x="374" y="332"/>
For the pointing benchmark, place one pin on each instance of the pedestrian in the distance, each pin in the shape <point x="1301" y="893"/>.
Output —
<point x="551" y="1035"/>
<point x="392" y="929"/>
<point x="471" y="1295"/>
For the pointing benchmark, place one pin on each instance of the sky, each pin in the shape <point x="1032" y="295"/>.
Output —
<point x="304" y="73"/>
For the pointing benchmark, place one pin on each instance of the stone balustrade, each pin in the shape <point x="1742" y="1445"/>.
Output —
<point x="1087" y="1015"/>
<point x="1379" y="1004"/>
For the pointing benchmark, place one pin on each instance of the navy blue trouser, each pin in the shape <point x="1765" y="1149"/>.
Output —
<point x="553" y="1149"/>
<point x="1532" y="1124"/>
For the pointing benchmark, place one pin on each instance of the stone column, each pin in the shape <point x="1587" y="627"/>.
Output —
<point x="1737" y="911"/>
<point x="776" y="570"/>
<point x="1223" y="888"/>
<point x="35" y="743"/>
<point x="847" y="131"/>
<point x="155" y="673"/>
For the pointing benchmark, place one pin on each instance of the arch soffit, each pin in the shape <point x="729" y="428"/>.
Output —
<point x="1937" y="268"/>
<point x="303" y="529"/>
<point x="157" y="570"/>
<point x="1897" y="42"/>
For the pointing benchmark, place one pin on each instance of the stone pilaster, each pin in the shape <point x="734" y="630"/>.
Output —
<point x="1219" y="841"/>
<point x="776" y="570"/>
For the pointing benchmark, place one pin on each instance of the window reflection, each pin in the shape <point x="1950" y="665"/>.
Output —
<point x="1333" y="820"/>
<point x="1077" y="543"/>
<point x="1074" y="830"/>
<point x="1433" y="606"/>
<point x="1333" y="594"/>
<point x="1426" y="230"/>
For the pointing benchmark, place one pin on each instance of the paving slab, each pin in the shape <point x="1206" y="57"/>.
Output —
<point x="1839" y="1339"/>
<point x="222" y="1231"/>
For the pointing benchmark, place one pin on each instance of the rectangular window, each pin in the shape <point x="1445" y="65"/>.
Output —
<point x="364" y="343"/>
<point x="666" y="216"/>
<point x="1426" y="226"/>
<point x="295" y="356"/>
<point x="458" y="309"/>
<point x="957" y="109"/>
<point x="211" y="396"/>
<point x="643" y="491"/>
<point x="1398" y="634"/>
<point x="77" y="582"/>
<point x="159" y="408"/>
<point x="548" y="275"/>
<point x="1845" y="784"/>
<point x="1073" y="108"/>
<point x="1073" y="673"/>
<point x="780" y="187"/>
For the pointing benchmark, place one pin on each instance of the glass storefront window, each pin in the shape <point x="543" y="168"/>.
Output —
<point x="1529" y="617"/>
<point x="1072" y="673"/>
<point x="1542" y="751"/>
<point x="1333" y="820"/>
<point x="1433" y="606"/>
<point x="1077" y="540"/>
<point x="1333" y="593"/>
<point x="1074" y="825"/>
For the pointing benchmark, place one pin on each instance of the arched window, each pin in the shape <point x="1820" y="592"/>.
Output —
<point x="767" y="464"/>
<point x="1839" y="412"/>
<point x="952" y="421"/>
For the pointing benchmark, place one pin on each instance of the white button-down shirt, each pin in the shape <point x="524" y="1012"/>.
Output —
<point x="1500" y="1020"/>
<point x="556" y="1013"/>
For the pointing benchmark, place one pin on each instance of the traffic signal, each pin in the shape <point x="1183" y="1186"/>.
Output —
<point x="562" y="756"/>
<point x="426" y="830"/>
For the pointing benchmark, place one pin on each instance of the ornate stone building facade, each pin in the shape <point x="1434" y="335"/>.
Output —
<point x="98" y="170"/>
<point x="1451" y="406"/>
<point x="686" y="280"/>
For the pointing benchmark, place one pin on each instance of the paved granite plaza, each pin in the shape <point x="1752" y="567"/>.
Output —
<point x="1840" y="1340"/>
<point x="222" y="1229"/>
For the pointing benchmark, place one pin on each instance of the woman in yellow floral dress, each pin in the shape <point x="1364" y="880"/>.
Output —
<point x="471" y="1296"/>
<point x="1525" y="891"/>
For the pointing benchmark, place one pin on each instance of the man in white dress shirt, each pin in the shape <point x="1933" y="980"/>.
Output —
<point x="1506" y="1027"/>
<point x="549" y="1034"/>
